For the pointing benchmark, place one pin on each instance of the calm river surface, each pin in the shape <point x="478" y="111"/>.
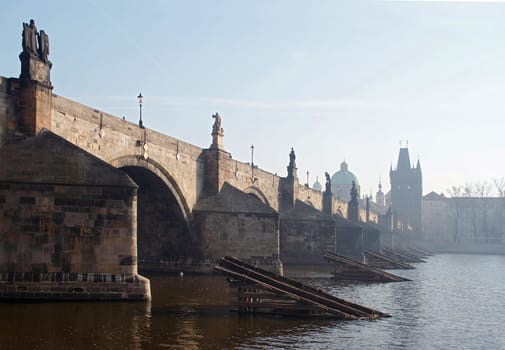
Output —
<point x="453" y="302"/>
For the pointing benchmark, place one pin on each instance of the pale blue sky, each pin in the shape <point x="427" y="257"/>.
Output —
<point x="333" y="79"/>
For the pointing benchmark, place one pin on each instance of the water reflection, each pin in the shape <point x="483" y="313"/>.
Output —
<point x="73" y="325"/>
<point x="200" y="307"/>
<point x="452" y="302"/>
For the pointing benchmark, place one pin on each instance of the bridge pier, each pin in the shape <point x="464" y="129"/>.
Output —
<point x="238" y="224"/>
<point x="67" y="225"/>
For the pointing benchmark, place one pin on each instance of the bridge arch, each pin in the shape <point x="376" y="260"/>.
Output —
<point x="163" y="216"/>
<point x="256" y="192"/>
<point x="161" y="172"/>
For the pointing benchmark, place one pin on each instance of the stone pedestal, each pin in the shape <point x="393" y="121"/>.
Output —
<point x="217" y="164"/>
<point x="35" y="69"/>
<point x="327" y="203"/>
<point x="217" y="140"/>
<point x="288" y="192"/>
<point x="34" y="96"/>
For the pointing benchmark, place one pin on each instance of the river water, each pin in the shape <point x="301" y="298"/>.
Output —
<point x="452" y="302"/>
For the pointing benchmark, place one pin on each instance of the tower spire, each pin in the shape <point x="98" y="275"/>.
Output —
<point x="406" y="192"/>
<point x="403" y="160"/>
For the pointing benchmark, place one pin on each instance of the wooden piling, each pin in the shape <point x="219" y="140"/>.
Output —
<point x="352" y="270"/>
<point x="262" y="292"/>
<point x="382" y="261"/>
<point x="401" y="255"/>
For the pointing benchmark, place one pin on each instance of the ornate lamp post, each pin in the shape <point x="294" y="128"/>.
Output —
<point x="253" y="179"/>
<point x="140" y="97"/>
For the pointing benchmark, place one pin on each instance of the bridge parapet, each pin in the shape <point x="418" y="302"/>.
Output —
<point x="111" y="138"/>
<point x="253" y="180"/>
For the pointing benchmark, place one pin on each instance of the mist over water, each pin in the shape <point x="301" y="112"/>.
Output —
<point x="452" y="302"/>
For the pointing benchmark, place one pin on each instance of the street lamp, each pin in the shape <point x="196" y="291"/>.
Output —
<point x="140" y="97"/>
<point x="252" y="155"/>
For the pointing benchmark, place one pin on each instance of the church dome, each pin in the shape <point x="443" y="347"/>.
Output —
<point x="317" y="185"/>
<point x="344" y="176"/>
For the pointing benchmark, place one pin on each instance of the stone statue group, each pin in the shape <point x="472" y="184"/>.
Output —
<point x="35" y="43"/>
<point x="216" y="128"/>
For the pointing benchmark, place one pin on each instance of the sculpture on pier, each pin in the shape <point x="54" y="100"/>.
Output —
<point x="353" y="205"/>
<point x="217" y="133"/>
<point x="216" y="128"/>
<point x="43" y="46"/>
<point x="29" y="42"/>
<point x="292" y="164"/>
<point x="34" y="43"/>
<point x="328" y="183"/>
<point x="292" y="158"/>
<point x="35" y="64"/>
<point x="354" y="193"/>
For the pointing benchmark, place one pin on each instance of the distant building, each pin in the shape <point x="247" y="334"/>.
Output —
<point x="380" y="199"/>
<point x="437" y="218"/>
<point x="463" y="219"/>
<point x="317" y="185"/>
<point x="407" y="192"/>
<point x="341" y="183"/>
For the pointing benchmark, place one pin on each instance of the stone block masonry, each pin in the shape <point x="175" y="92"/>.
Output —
<point x="48" y="228"/>
<point x="7" y="120"/>
<point x="73" y="286"/>
<point x="67" y="224"/>
<point x="238" y="224"/>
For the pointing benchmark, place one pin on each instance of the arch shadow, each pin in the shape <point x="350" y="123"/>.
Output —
<point x="164" y="221"/>
<point x="162" y="173"/>
<point x="255" y="191"/>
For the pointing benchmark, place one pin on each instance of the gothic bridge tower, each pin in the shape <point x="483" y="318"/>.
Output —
<point x="407" y="192"/>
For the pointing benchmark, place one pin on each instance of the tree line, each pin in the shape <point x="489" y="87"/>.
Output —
<point x="480" y="189"/>
<point x="474" y="216"/>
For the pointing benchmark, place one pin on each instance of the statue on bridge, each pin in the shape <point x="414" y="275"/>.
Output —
<point x="292" y="158"/>
<point x="35" y="64"/>
<point x="217" y="133"/>
<point x="327" y="188"/>
<point x="216" y="128"/>
<point x="292" y="164"/>
<point x="31" y="37"/>
<point x="354" y="193"/>
<point x="29" y="42"/>
<point x="353" y="205"/>
<point x="43" y="46"/>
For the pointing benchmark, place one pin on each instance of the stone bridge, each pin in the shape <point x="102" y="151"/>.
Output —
<point x="194" y="204"/>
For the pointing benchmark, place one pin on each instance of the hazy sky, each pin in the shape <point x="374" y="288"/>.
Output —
<point x="334" y="79"/>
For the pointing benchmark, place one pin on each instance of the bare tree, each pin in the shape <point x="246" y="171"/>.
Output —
<point x="455" y="193"/>
<point x="472" y="210"/>
<point x="470" y="190"/>
<point x="483" y="189"/>
<point x="499" y="184"/>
